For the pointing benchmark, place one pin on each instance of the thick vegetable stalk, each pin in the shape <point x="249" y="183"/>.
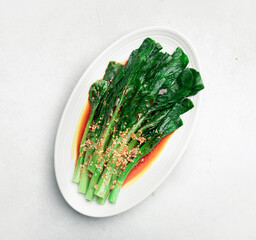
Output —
<point x="142" y="104"/>
<point x="154" y="127"/>
<point x="108" y="155"/>
<point x="146" y="148"/>
<point x="102" y="200"/>
<point x="148" y="98"/>
<point x="113" y="75"/>
<point x="114" y="162"/>
<point x="130" y="80"/>
<point x="96" y="175"/>
<point x="84" y="180"/>
<point x="155" y="60"/>
<point x="101" y="191"/>
<point x="95" y="95"/>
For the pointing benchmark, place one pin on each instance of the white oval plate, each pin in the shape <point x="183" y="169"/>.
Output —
<point x="166" y="161"/>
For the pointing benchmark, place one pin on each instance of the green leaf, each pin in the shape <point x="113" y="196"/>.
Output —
<point x="96" y="92"/>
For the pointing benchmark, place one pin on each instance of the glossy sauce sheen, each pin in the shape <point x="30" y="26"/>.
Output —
<point x="139" y="169"/>
<point x="146" y="162"/>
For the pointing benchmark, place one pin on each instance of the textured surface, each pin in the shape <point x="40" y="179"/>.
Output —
<point x="45" y="46"/>
<point x="168" y="158"/>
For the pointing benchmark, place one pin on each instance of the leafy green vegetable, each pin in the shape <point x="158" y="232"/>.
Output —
<point x="132" y="108"/>
<point x="95" y="95"/>
<point x="114" y="73"/>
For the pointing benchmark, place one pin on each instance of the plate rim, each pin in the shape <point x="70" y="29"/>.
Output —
<point x="186" y="141"/>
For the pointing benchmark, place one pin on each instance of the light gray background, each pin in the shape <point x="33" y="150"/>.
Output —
<point x="46" y="45"/>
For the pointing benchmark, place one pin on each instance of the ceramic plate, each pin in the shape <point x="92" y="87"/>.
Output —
<point x="167" y="160"/>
